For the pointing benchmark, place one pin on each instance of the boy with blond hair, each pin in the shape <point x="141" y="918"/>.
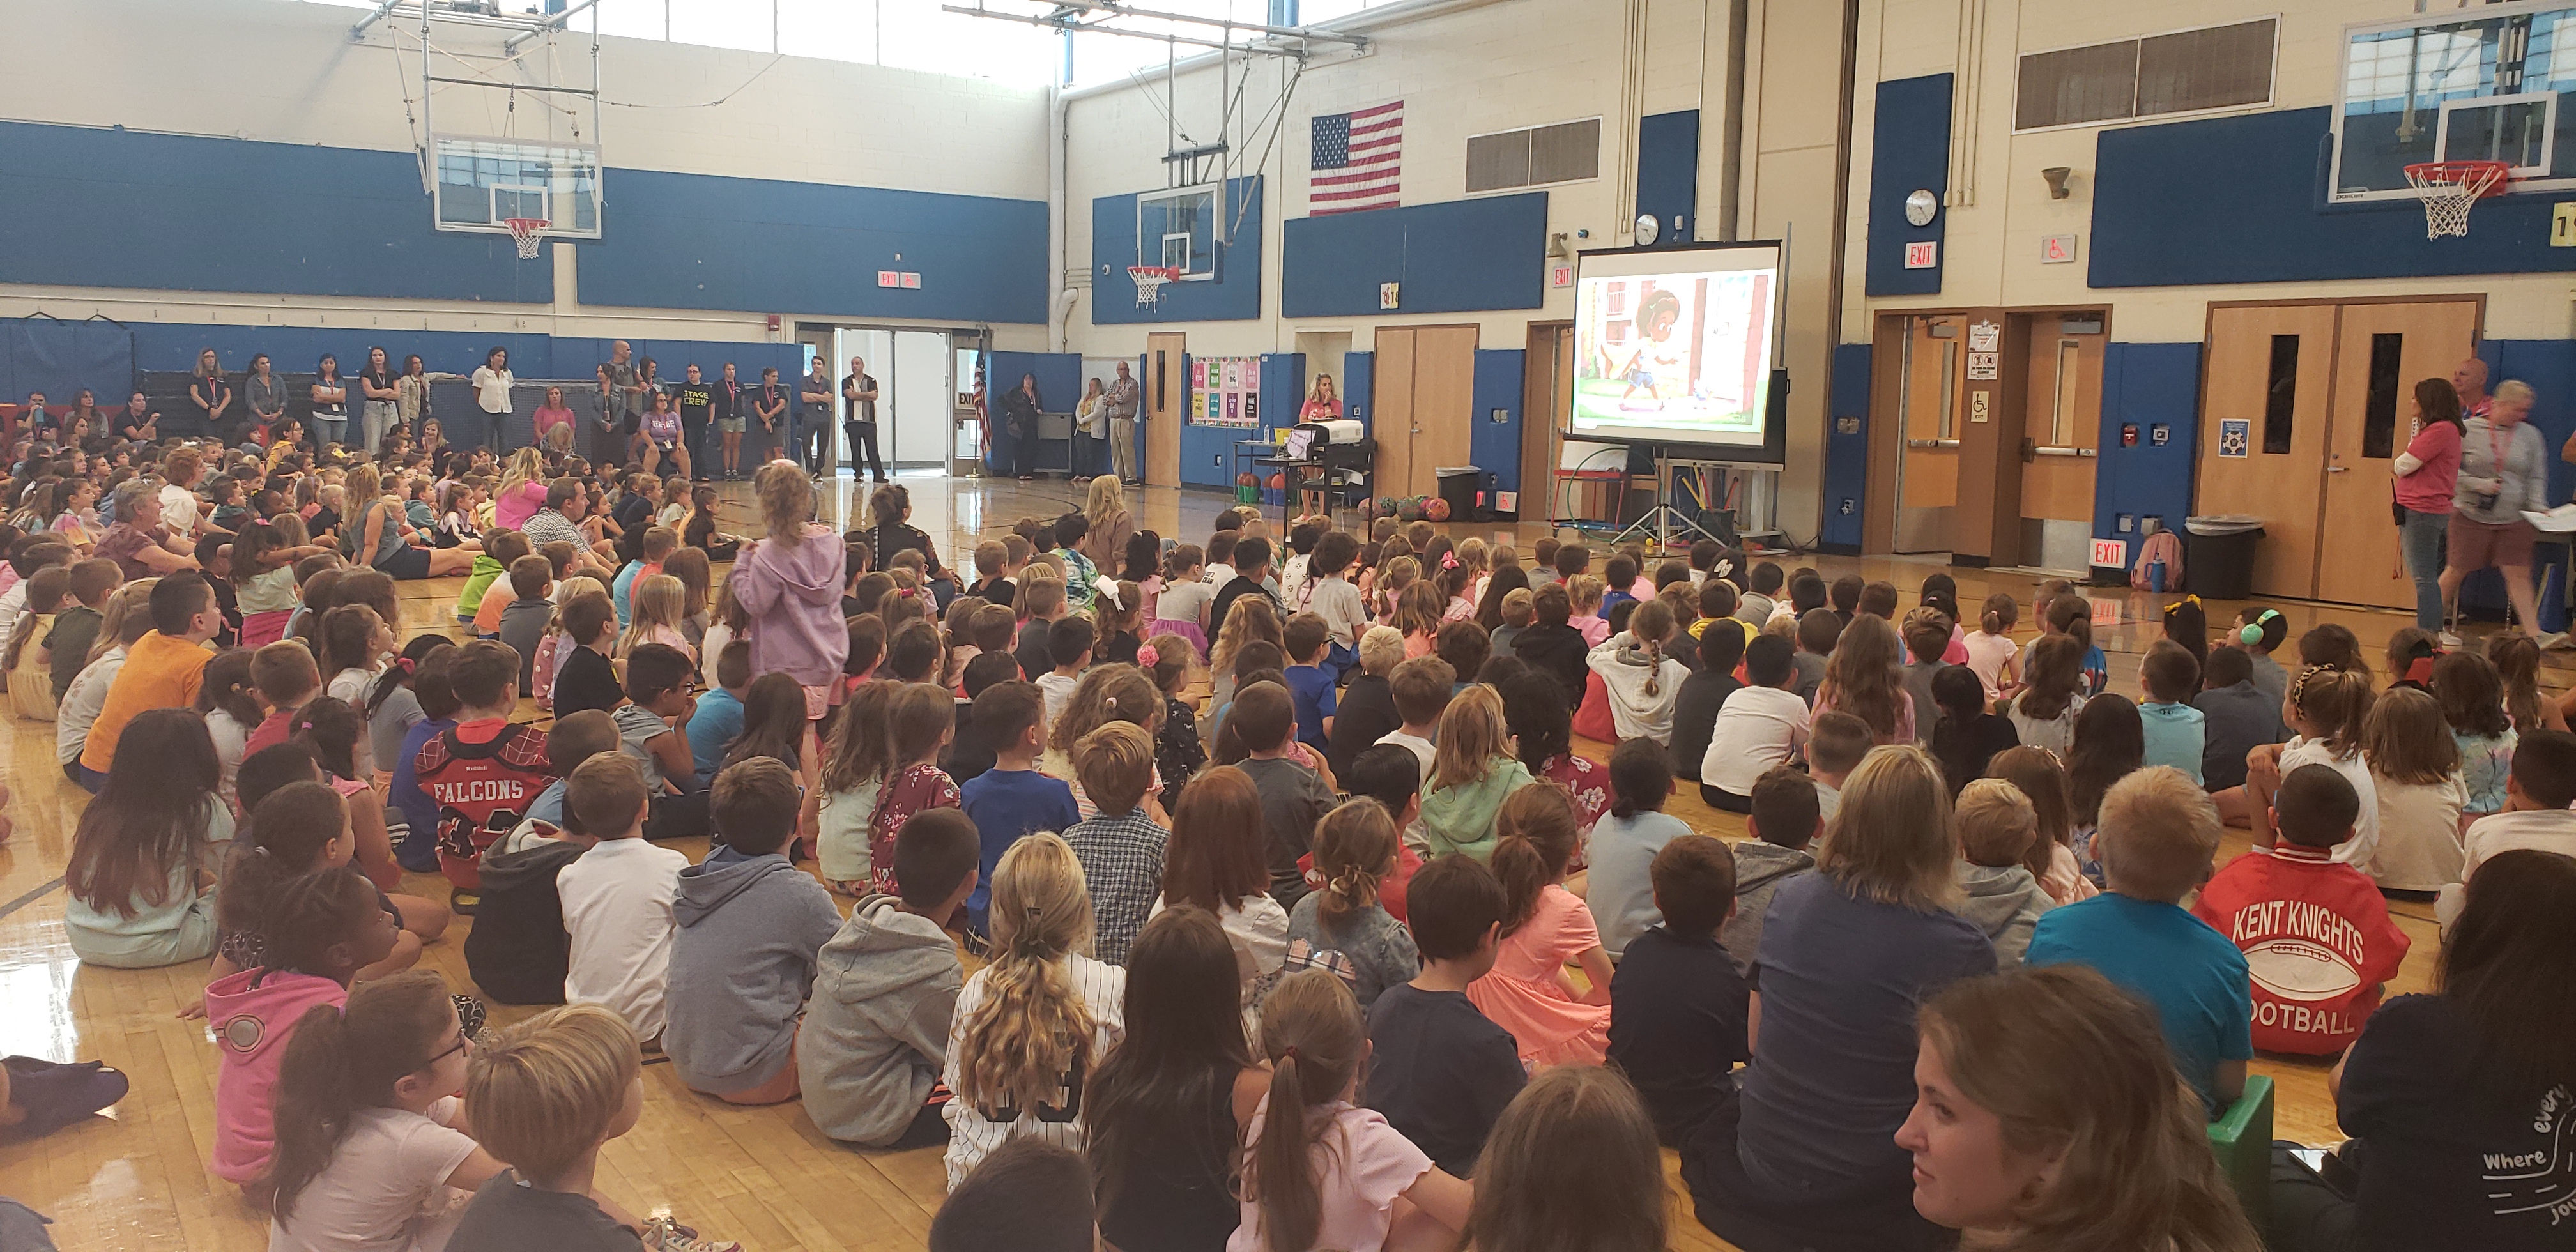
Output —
<point x="1997" y="825"/>
<point x="2158" y="832"/>
<point x="1365" y="711"/>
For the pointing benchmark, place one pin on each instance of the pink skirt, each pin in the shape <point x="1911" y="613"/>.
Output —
<point x="1186" y="630"/>
<point x="262" y="629"/>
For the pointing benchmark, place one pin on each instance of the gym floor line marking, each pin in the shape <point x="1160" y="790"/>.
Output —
<point x="29" y="898"/>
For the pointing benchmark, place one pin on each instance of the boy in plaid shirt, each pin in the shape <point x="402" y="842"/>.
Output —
<point x="1121" y="850"/>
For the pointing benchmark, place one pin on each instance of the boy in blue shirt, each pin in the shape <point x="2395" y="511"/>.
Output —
<point x="1439" y="1070"/>
<point x="2158" y="833"/>
<point x="1306" y="637"/>
<point x="1012" y="799"/>
<point x="1677" y="1006"/>
<point x="718" y="721"/>
<point x="2176" y="732"/>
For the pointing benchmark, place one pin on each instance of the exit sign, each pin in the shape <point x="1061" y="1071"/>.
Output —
<point x="1922" y="255"/>
<point x="2111" y="553"/>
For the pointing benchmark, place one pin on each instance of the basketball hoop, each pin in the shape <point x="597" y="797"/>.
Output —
<point x="2451" y="188"/>
<point x="527" y="233"/>
<point x="1149" y="281"/>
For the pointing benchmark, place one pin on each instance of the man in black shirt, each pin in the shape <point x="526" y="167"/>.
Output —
<point x="1252" y="564"/>
<point x="696" y="402"/>
<point x="814" y="420"/>
<point x="861" y="391"/>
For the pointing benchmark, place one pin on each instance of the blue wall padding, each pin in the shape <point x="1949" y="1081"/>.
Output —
<point x="1459" y="256"/>
<point x="2146" y="384"/>
<point x="2242" y="199"/>
<point x="296" y="349"/>
<point x="1495" y="447"/>
<point x="693" y="241"/>
<point x="1846" y="487"/>
<point x="119" y="208"/>
<point x="1909" y="151"/>
<point x="1059" y="378"/>
<point x="1233" y="295"/>
<point x="1668" y="172"/>
<point x="61" y="358"/>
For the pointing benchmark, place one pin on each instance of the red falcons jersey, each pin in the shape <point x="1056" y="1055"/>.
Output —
<point x="2317" y="943"/>
<point x="482" y="789"/>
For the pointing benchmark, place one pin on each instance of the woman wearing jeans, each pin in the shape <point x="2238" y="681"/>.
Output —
<point x="2427" y="473"/>
<point x="330" y="403"/>
<point x="492" y="383"/>
<point x="2504" y="470"/>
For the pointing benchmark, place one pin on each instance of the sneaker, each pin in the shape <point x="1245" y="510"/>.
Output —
<point x="2447" y="640"/>
<point x="2555" y="639"/>
<point x="662" y="1234"/>
<point x="56" y="1095"/>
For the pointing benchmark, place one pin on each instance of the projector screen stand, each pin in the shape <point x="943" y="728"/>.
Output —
<point x="1749" y="491"/>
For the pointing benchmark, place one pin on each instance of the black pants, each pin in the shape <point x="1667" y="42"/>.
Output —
<point x="813" y="440"/>
<point x="693" y="436"/>
<point x="1725" y="801"/>
<point x="863" y="442"/>
<point x="2309" y="1213"/>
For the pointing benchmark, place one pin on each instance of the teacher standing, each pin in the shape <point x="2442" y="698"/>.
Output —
<point x="1020" y="409"/>
<point x="492" y="383"/>
<point x="2503" y="471"/>
<point x="2428" y="474"/>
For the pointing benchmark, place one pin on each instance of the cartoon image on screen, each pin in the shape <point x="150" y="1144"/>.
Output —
<point x="1680" y="355"/>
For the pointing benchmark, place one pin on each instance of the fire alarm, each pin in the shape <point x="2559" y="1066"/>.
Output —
<point x="773" y="321"/>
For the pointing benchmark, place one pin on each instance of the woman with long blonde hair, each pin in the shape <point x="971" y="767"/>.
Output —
<point x="1030" y="1026"/>
<point x="1247" y="619"/>
<point x="1862" y="679"/>
<point x="378" y="535"/>
<point x="790" y="585"/>
<point x="2048" y="1117"/>
<point x="1847" y="953"/>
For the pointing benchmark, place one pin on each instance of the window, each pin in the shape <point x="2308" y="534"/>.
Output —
<point x="1949" y="389"/>
<point x="1534" y="156"/>
<point x="2281" y="395"/>
<point x="2186" y="71"/>
<point x="2061" y="402"/>
<point x="2379" y="410"/>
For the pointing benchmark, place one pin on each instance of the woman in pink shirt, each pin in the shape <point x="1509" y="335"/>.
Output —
<point x="523" y="489"/>
<point x="2428" y="473"/>
<point x="552" y="414"/>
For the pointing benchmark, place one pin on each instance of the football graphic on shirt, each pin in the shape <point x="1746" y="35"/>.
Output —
<point x="2300" y="969"/>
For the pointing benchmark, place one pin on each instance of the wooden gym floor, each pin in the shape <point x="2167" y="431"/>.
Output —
<point x="136" y="1178"/>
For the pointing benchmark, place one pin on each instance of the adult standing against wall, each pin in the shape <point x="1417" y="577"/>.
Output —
<point x="2428" y="475"/>
<point x="492" y="383"/>
<point x="2504" y="470"/>
<point x="380" y="400"/>
<point x="1090" y="431"/>
<point x="729" y="421"/>
<point x="790" y="584"/>
<point x="697" y="405"/>
<point x="330" y="403"/>
<point x="769" y="404"/>
<point x="619" y="414"/>
<point x="1122" y="427"/>
<point x="264" y="394"/>
<point x="211" y="396"/>
<point x="411" y="395"/>
<point x="814" y="436"/>
<point x="1020" y="409"/>
<point x="861" y="392"/>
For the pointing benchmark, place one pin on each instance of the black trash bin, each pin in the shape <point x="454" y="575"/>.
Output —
<point x="2218" y="556"/>
<point x="1459" y="485"/>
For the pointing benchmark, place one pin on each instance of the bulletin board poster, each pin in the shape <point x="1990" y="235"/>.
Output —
<point x="1225" y="391"/>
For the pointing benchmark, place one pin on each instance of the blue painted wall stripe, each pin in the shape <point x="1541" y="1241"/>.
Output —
<point x="1460" y="256"/>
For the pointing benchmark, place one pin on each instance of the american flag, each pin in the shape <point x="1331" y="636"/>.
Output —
<point x="1356" y="160"/>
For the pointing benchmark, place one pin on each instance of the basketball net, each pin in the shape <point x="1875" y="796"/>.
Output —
<point x="527" y="233"/>
<point x="2451" y="188"/>
<point x="1149" y="282"/>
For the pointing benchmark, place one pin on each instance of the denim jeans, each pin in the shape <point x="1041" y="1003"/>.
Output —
<point x="329" y="430"/>
<point x="2421" y="539"/>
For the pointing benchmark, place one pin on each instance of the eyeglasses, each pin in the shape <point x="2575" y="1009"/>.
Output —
<point x="469" y="1023"/>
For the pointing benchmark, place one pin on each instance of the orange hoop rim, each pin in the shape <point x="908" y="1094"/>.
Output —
<point x="2428" y="174"/>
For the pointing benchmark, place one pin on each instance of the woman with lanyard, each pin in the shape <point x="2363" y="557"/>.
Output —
<point x="2503" y="471"/>
<point x="2428" y="474"/>
<point x="208" y="391"/>
<point x="376" y="389"/>
<point x="770" y="406"/>
<point x="266" y="396"/>
<point x="492" y="383"/>
<point x="330" y="403"/>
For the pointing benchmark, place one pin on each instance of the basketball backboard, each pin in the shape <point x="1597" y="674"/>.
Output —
<point x="480" y="183"/>
<point x="2476" y="84"/>
<point x="1183" y="228"/>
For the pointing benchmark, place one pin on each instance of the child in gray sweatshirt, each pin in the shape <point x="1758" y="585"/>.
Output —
<point x="742" y="957"/>
<point x="875" y="1037"/>
<point x="1997" y="827"/>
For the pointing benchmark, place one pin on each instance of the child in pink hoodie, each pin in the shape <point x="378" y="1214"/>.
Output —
<point x="317" y="930"/>
<point x="790" y="585"/>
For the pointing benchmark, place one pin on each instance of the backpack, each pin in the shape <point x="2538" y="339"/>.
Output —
<point x="481" y="790"/>
<point x="2165" y="546"/>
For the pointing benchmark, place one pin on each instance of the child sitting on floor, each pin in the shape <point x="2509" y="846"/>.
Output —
<point x="617" y="899"/>
<point x="874" y="1037"/>
<point x="1545" y="929"/>
<point x="1678" y="1007"/>
<point x="1997" y="826"/>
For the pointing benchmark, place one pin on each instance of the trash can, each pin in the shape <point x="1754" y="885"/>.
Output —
<point x="2218" y="555"/>
<point x="1459" y="485"/>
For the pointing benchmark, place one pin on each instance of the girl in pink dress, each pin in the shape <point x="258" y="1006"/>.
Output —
<point x="921" y="719"/>
<point x="1544" y="928"/>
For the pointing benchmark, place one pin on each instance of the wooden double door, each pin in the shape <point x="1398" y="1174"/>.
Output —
<point x="2303" y="408"/>
<point x="1425" y="393"/>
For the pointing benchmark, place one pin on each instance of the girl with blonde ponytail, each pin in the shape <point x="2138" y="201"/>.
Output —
<point x="1318" y="1172"/>
<point x="367" y="1153"/>
<point x="1641" y="681"/>
<point x="1545" y="928"/>
<point x="1031" y="1026"/>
